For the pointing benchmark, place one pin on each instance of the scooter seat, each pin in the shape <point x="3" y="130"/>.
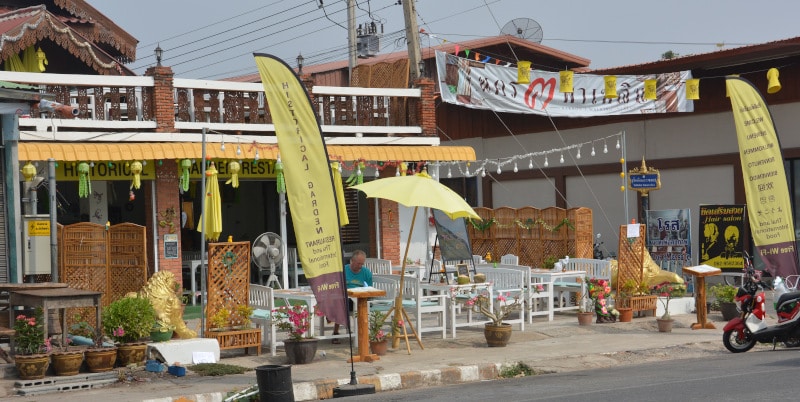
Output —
<point x="787" y="297"/>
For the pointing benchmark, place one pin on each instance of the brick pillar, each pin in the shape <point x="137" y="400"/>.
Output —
<point x="390" y="231"/>
<point x="426" y="109"/>
<point x="162" y="98"/>
<point x="167" y="197"/>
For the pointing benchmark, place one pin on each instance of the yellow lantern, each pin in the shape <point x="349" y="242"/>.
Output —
<point x="565" y="81"/>
<point x="523" y="72"/>
<point x="234" y="167"/>
<point x="136" y="169"/>
<point x="693" y="89"/>
<point x="650" y="89"/>
<point x="28" y="171"/>
<point x="772" y="79"/>
<point x="610" y="86"/>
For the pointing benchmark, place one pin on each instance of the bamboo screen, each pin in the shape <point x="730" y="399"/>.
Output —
<point x="228" y="280"/>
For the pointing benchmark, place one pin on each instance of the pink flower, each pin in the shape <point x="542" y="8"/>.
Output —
<point x="399" y="322"/>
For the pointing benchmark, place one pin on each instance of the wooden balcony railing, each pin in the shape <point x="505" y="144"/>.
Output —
<point x="109" y="103"/>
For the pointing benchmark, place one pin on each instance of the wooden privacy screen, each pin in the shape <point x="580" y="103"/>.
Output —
<point x="532" y="234"/>
<point x="112" y="261"/>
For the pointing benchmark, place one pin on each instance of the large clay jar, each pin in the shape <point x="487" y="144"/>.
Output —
<point x="67" y="363"/>
<point x="131" y="353"/>
<point x="300" y="352"/>
<point x="99" y="360"/>
<point x="32" y="367"/>
<point x="497" y="335"/>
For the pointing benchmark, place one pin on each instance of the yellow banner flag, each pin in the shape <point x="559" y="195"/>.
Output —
<point x="769" y="207"/>
<point x="309" y="185"/>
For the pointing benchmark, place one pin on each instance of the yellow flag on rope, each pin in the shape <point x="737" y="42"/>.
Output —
<point x="768" y="203"/>
<point x="309" y="185"/>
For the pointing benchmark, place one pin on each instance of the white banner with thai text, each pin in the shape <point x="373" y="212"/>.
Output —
<point x="486" y="86"/>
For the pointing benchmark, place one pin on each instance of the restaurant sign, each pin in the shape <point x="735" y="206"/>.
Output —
<point x="120" y="170"/>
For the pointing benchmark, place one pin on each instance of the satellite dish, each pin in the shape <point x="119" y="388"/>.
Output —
<point x="268" y="253"/>
<point x="523" y="28"/>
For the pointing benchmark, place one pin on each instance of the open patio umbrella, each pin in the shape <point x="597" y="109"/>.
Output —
<point x="211" y="218"/>
<point x="419" y="190"/>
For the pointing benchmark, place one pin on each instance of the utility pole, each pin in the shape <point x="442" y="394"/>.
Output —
<point x="351" y="39"/>
<point x="412" y="38"/>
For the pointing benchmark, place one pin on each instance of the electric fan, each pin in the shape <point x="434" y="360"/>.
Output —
<point x="267" y="254"/>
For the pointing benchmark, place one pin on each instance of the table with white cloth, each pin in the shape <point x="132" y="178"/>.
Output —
<point x="548" y="278"/>
<point x="457" y="295"/>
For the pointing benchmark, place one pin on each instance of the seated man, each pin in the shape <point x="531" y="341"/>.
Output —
<point x="355" y="275"/>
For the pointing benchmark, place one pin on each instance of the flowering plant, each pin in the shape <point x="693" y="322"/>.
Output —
<point x="376" y="323"/>
<point x="597" y="294"/>
<point x="128" y="319"/>
<point x="666" y="291"/>
<point x="295" y="320"/>
<point x="29" y="338"/>
<point x="496" y="310"/>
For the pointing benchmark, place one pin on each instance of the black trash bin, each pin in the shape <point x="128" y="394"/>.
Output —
<point x="275" y="383"/>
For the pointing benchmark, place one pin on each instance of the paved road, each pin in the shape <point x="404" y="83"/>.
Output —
<point x="763" y="375"/>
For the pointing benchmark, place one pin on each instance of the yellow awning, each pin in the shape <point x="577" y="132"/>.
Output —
<point x="129" y="151"/>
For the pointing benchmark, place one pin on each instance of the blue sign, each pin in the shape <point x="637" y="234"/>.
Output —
<point x="644" y="181"/>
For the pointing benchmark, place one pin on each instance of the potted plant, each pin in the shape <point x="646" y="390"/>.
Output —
<point x="220" y="319"/>
<point x="625" y="292"/>
<point x="378" y="338"/>
<point x="497" y="332"/>
<point x="243" y="312"/>
<point x="66" y="361"/>
<point x="161" y="331"/>
<point x="301" y="347"/>
<point x="666" y="291"/>
<point x="724" y="296"/>
<point x="127" y="321"/>
<point x="599" y="291"/>
<point x="30" y="346"/>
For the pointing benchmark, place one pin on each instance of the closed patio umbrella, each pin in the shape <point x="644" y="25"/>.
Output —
<point x="211" y="218"/>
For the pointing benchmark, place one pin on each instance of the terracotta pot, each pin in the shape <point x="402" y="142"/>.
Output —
<point x="585" y="318"/>
<point x="625" y="314"/>
<point x="379" y="348"/>
<point x="728" y="310"/>
<point x="32" y="367"/>
<point x="300" y="352"/>
<point x="664" y="325"/>
<point x="497" y="335"/>
<point x="131" y="353"/>
<point x="67" y="363"/>
<point x="99" y="360"/>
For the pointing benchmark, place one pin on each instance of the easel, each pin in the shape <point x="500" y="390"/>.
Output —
<point x="400" y="313"/>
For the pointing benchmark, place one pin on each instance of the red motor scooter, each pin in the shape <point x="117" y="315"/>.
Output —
<point x="741" y="333"/>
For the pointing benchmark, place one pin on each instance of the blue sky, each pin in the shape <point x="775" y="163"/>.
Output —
<point x="213" y="40"/>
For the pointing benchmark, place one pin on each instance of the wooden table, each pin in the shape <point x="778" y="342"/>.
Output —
<point x="363" y="323"/>
<point x="701" y="272"/>
<point x="55" y="298"/>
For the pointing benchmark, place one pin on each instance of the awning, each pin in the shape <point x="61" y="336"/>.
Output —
<point x="129" y="151"/>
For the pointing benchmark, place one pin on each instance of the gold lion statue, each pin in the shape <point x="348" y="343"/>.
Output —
<point x="160" y="290"/>
<point x="652" y="273"/>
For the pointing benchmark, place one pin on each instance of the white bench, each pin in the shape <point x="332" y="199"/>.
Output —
<point x="600" y="269"/>
<point x="538" y="294"/>
<point x="263" y="302"/>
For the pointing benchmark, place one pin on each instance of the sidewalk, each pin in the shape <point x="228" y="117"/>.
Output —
<point x="557" y="346"/>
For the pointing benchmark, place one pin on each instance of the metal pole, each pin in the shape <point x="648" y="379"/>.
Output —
<point x="203" y="258"/>
<point x="155" y="227"/>
<point x="284" y="250"/>
<point x="51" y="185"/>
<point x="625" y="170"/>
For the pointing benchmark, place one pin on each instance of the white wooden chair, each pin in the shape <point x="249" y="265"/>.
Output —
<point x="378" y="266"/>
<point x="509" y="259"/>
<point x="263" y="302"/>
<point x="593" y="268"/>
<point x="511" y="283"/>
<point x="414" y="302"/>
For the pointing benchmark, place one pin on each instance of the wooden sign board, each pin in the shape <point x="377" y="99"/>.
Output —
<point x="702" y="270"/>
<point x="462" y="269"/>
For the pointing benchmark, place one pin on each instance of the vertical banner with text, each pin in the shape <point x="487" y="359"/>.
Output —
<point x="309" y="185"/>
<point x="769" y="207"/>
<point x="722" y="236"/>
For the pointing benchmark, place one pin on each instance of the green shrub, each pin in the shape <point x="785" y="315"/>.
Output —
<point x="128" y="319"/>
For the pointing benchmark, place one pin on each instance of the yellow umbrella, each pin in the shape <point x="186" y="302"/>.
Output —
<point x="211" y="218"/>
<point x="416" y="191"/>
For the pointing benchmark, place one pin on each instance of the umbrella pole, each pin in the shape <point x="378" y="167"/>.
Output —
<point x="399" y="311"/>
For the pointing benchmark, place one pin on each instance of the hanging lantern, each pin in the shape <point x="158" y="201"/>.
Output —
<point x="84" y="183"/>
<point x="403" y="168"/>
<point x="693" y="89"/>
<point x="610" y="86"/>
<point x="280" y="181"/>
<point x="28" y="171"/>
<point x="234" y="168"/>
<point x="565" y="81"/>
<point x="772" y="78"/>
<point x="650" y="89"/>
<point x="184" y="180"/>
<point x="136" y="169"/>
<point x="523" y="72"/>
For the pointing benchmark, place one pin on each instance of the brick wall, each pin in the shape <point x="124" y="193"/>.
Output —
<point x="164" y="111"/>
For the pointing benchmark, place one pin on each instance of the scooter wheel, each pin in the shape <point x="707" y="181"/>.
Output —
<point x="738" y="341"/>
<point x="792" y="342"/>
